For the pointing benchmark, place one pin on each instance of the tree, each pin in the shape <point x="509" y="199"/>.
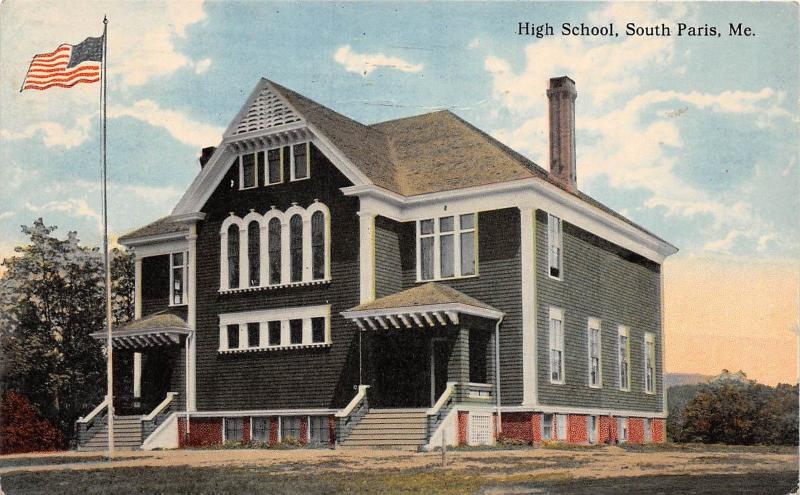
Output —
<point x="51" y="300"/>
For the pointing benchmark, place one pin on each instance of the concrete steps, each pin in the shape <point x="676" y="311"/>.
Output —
<point x="389" y="428"/>
<point x="127" y="435"/>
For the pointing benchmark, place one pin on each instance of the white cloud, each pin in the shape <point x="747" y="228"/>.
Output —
<point x="54" y="133"/>
<point x="631" y="141"/>
<point x="176" y="123"/>
<point x="74" y="207"/>
<point x="475" y="43"/>
<point x="365" y="63"/>
<point x="202" y="66"/>
<point x="6" y="214"/>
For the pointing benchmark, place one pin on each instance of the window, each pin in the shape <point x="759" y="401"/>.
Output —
<point x="253" y="331"/>
<point x="318" y="245"/>
<point x="233" y="256"/>
<point x="591" y="429"/>
<point x="233" y="336"/>
<point x="178" y="275"/>
<point x="648" y="430"/>
<point x="468" y="241"/>
<point x="622" y="430"/>
<point x="561" y="422"/>
<point x="260" y="428"/>
<point x="623" y="335"/>
<point x="248" y="171"/>
<point x="446" y="247"/>
<point x="554" y="245"/>
<point x="547" y="426"/>
<point x="649" y="363"/>
<point x="296" y="248"/>
<point x="426" y="249"/>
<point x="254" y="253"/>
<point x="317" y="330"/>
<point x="556" y="345"/>
<point x="595" y="343"/>
<point x="233" y="429"/>
<point x="274" y="166"/>
<point x="290" y="428"/>
<point x="295" y="331"/>
<point x="274" y="328"/>
<point x="274" y="235"/>
<point x="300" y="161"/>
<point x="318" y="432"/>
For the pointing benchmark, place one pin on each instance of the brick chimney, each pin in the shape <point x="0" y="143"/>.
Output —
<point x="205" y="155"/>
<point x="561" y="95"/>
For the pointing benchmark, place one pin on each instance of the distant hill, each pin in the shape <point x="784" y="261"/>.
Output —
<point x="673" y="379"/>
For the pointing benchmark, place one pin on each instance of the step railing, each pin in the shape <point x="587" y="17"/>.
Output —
<point x="440" y="410"/>
<point x="347" y="418"/>
<point x="151" y="422"/>
<point x="90" y="424"/>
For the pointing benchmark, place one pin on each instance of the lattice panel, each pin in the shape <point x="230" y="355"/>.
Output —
<point x="480" y="428"/>
<point x="267" y="111"/>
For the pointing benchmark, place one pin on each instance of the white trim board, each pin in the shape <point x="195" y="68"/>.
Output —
<point x="524" y="193"/>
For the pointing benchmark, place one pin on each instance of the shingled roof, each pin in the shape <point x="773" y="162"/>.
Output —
<point x="163" y="225"/>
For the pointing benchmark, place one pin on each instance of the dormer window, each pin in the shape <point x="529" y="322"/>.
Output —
<point x="248" y="170"/>
<point x="300" y="161"/>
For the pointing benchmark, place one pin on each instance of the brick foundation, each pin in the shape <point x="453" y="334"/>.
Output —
<point x="202" y="432"/>
<point x="463" y="424"/>
<point x="635" y="430"/>
<point x="518" y="426"/>
<point x="273" y="430"/>
<point x="657" y="432"/>
<point x="536" y="425"/>
<point x="245" y="430"/>
<point x="331" y="429"/>
<point x="576" y="429"/>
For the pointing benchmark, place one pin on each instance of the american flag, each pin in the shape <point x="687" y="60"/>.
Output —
<point x="66" y="66"/>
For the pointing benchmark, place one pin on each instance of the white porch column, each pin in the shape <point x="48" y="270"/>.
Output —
<point x="191" y="317"/>
<point x="137" y="375"/>
<point x="528" y="275"/>
<point x="366" y="255"/>
<point x="137" y="292"/>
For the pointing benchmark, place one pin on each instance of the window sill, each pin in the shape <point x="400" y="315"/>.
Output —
<point x="301" y="179"/>
<point x="596" y="387"/>
<point x="276" y="286"/>
<point x="248" y="188"/>
<point x="445" y="279"/>
<point x="560" y="382"/>
<point x="274" y="348"/>
<point x="624" y="390"/>
<point x="559" y="278"/>
<point x="178" y="305"/>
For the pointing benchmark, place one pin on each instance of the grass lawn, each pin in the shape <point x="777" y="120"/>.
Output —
<point x="253" y="480"/>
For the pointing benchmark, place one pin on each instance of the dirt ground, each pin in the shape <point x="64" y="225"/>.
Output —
<point x="384" y="471"/>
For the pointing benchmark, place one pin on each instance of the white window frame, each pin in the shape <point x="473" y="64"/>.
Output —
<point x="267" y="183"/>
<point x="595" y="324"/>
<point x="622" y="330"/>
<point x="240" y="159"/>
<point x="561" y="427"/>
<point x="556" y="239"/>
<point x="649" y="379"/>
<point x="326" y="426"/>
<point x="622" y="427"/>
<point x="263" y="317"/>
<point x="252" y="429"/>
<point x="556" y="343"/>
<point x="292" y="177"/>
<point x="185" y="281"/>
<point x="592" y="426"/>
<point x="437" y="253"/>
<point x="264" y="247"/>
<point x="552" y="431"/>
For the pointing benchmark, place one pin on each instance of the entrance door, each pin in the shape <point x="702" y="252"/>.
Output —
<point x="439" y="356"/>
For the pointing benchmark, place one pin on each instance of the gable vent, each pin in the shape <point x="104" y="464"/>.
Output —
<point x="267" y="111"/>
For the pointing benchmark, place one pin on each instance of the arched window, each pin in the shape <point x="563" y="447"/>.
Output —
<point x="318" y="245"/>
<point x="274" y="233"/>
<point x="233" y="256"/>
<point x="296" y="248"/>
<point x="254" y="253"/>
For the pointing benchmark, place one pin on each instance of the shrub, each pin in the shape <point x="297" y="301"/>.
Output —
<point x="22" y="429"/>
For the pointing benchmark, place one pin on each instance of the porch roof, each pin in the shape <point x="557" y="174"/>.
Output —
<point x="427" y="305"/>
<point x="162" y="328"/>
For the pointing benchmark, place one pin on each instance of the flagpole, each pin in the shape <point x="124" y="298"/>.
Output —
<point x="110" y="348"/>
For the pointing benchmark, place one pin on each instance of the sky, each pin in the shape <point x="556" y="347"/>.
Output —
<point x="693" y="137"/>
